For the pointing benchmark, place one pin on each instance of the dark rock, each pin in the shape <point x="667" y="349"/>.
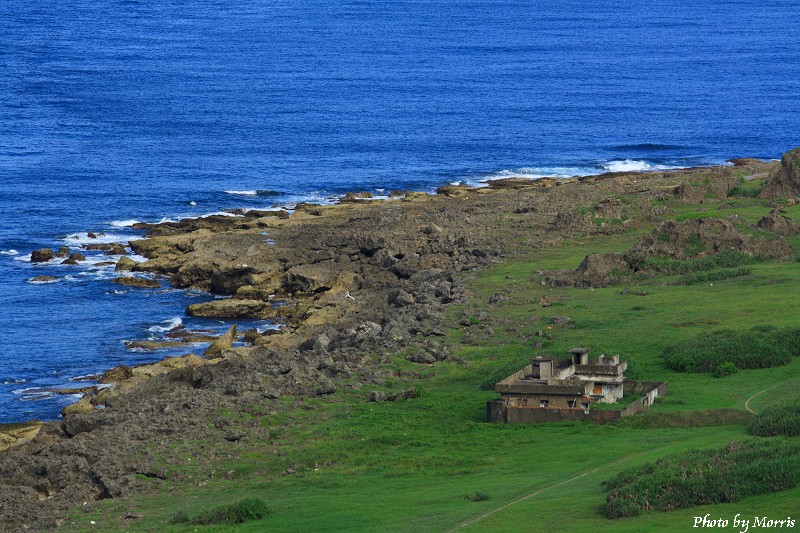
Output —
<point x="497" y="298"/>
<point x="125" y="264"/>
<point x="143" y="283"/>
<point x="231" y="308"/>
<point x="421" y="358"/>
<point x="400" y="298"/>
<point x="560" y="320"/>
<point x="221" y="344"/>
<point x="271" y="393"/>
<point x="81" y="423"/>
<point x="744" y="161"/>
<point x="377" y="396"/>
<point x="44" y="279"/>
<point x="43" y="255"/>
<point x="73" y="259"/>
<point x="63" y="252"/>
<point x="116" y="374"/>
<point x="325" y="388"/>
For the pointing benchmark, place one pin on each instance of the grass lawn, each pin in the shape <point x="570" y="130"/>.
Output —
<point x="343" y="464"/>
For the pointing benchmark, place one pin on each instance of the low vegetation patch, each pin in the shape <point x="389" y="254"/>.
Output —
<point x="701" y="477"/>
<point x="747" y="189"/>
<point x="688" y="419"/>
<point x="782" y="419"/>
<point x="673" y="267"/>
<point x="758" y="347"/>
<point x="479" y="496"/>
<point x="717" y="275"/>
<point x="235" y="513"/>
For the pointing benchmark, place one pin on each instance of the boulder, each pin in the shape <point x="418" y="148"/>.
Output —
<point x="776" y="223"/>
<point x="143" y="283"/>
<point x="63" y="252"/>
<point x="400" y="298"/>
<point x="376" y="396"/>
<point x="355" y="196"/>
<point x="221" y="344"/>
<point x="42" y="256"/>
<point x="421" y="358"/>
<point x="744" y="161"/>
<point x="231" y="308"/>
<point x="44" y="279"/>
<point x="73" y="259"/>
<point x="81" y="406"/>
<point x="692" y="238"/>
<point x="600" y="270"/>
<point x="125" y="264"/>
<point x="116" y="249"/>
<point x="785" y="183"/>
<point x="312" y="277"/>
<point x="116" y="374"/>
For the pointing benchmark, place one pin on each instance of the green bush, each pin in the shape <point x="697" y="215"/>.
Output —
<point x="783" y="419"/>
<point x="701" y="477"/>
<point x="725" y="369"/>
<point x="674" y="267"/>
<point x="479" y="496"/>
<point x="747" y="189"/>
<point x="234" y="513"/>
<point x="758" y="347"/>
<point x="718" y="275"/>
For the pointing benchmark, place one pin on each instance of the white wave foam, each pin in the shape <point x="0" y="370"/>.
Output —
<point x="26" y="258"/>
<point x="34" y="281"/>
<point x="633" y="165"/>
<point x="100" y="238"/>
<point x="124" y="223"/>
<point x="219" y="213"/>
<point x="166" y="325"/>
<point x="14" y="381"/>
<point x="9" y="252"/>
<point x="243" y="193"/>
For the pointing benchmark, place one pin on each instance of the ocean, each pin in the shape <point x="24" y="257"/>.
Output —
<point x="113" y="111"/>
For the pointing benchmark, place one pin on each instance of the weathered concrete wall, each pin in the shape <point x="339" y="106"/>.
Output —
<point x="498" y="412"/>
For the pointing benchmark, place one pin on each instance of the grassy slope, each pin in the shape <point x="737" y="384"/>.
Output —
<point x="407" y="466"/>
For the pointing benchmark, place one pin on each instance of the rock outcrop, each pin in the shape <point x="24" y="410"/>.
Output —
<point x="42" y="256"/>
<point x="785" y="183"/>
<point x="775" y="222"/>
<point x="692" y="238"/>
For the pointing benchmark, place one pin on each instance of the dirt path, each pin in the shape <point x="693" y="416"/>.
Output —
<point x="539" y="491"/>
<point x="747" y="402"/>
<point x="756" y="176"/>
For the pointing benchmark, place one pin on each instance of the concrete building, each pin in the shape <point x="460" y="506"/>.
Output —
<point x="552" y="389"/>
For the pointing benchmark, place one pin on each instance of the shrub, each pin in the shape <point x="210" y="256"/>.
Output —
<point x="783" y="419"/>
<point x="758" y="347"/>
<point x="701" y="477"/>
<point x="479" y="496"/>
<point x="725" y="369"/>
<point x="719" y="275"/>
<point x="747" y="189"/>
<point x="234" y="513"/>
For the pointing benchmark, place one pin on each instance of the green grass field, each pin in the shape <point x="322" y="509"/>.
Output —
<point x="343" y="464"/>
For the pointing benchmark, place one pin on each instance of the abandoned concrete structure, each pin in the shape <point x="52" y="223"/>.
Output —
<point x="552" y="389"/>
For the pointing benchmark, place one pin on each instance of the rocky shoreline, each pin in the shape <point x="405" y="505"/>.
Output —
<point x="351" y="285"/>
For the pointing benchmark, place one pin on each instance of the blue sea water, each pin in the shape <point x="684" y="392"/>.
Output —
<point x="120" y="110"/>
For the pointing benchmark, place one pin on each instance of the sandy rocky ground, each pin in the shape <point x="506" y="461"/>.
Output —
<point x="349" y="280"/>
